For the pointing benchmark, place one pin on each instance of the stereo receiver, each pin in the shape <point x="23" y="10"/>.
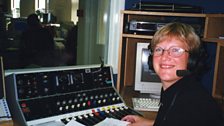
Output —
<point x="141" y="27"/>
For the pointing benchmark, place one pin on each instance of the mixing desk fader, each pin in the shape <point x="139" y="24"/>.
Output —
<point x="55" y="96"/>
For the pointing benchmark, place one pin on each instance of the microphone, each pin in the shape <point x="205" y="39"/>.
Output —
<point x="102" y="62"/>
<point x="181" y="73"/>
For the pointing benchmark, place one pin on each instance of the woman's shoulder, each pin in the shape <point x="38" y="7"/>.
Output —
<point x="197" y="96"/>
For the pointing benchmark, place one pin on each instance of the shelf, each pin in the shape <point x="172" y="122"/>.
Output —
<point x="208" y="25"/>
<point x="218" y="81"/>
<point x="164" y="14"/>
<point x="216" y="40"/>
<point x="137" y="36"/>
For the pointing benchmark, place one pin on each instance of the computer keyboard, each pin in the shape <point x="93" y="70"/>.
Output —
<point x="146" y="104"/>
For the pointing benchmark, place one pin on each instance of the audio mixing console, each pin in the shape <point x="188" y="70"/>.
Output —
<point x="55" y="96"/>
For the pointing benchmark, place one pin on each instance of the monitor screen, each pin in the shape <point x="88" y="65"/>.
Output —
<point x="2" y="86"/>
<point x="146" y="80"/>
<point x="147" y="74"/>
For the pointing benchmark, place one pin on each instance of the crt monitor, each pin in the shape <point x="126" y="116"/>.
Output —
<point x="146" y="80"/>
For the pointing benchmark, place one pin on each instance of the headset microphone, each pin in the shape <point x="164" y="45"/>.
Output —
<point x="181" y="73"/>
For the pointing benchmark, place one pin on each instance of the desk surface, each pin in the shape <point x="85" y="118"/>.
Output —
<point x="6" y="123"/>
<point x="127" y="93"/>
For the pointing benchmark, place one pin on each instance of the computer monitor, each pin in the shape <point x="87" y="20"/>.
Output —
<point x="2" y="82"/>
<point x="146" y="80"/>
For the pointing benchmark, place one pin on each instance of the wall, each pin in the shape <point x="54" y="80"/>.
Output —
<point x="61" y="8"/>
<point x="92" y="42"/>
<point x="114" y="33"/>
<point x="209" y="7"/>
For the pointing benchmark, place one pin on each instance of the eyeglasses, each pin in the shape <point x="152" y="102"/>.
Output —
<point x="172" y="51"/>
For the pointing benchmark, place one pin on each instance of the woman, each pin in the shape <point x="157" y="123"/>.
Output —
<point x="184" y="102"/>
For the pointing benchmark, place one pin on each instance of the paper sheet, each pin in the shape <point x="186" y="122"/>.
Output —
<point x="105" y="122"/>
<point x="112" y="122"/>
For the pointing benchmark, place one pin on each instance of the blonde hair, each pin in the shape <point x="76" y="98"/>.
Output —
<point x="181" y="31"/>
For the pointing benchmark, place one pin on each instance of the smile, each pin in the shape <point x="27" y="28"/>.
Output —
<point x="166" y="66"/>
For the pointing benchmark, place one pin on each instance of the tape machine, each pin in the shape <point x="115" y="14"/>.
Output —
<point x="143" y="27"/>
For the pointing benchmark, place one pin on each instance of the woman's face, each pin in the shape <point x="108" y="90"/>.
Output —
<point x="166" y="65"/>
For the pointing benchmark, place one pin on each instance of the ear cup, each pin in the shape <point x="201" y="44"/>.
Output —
<point x="192" y="61"/>
<point x="150" y="62"/>
<point x="197" y="59"/>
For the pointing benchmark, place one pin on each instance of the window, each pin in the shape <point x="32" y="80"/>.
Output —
<point x="93" y="39"/>
<point x="40" y="4"/>
<point x="15" y="5"/>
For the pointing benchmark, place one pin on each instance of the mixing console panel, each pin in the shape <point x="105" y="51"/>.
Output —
<point x="31" y="85"/>
<point x="38" y="97"/>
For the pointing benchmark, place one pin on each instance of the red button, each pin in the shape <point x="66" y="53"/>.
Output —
<point x="23" y="105"/>
<point x="89" y="103"/>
